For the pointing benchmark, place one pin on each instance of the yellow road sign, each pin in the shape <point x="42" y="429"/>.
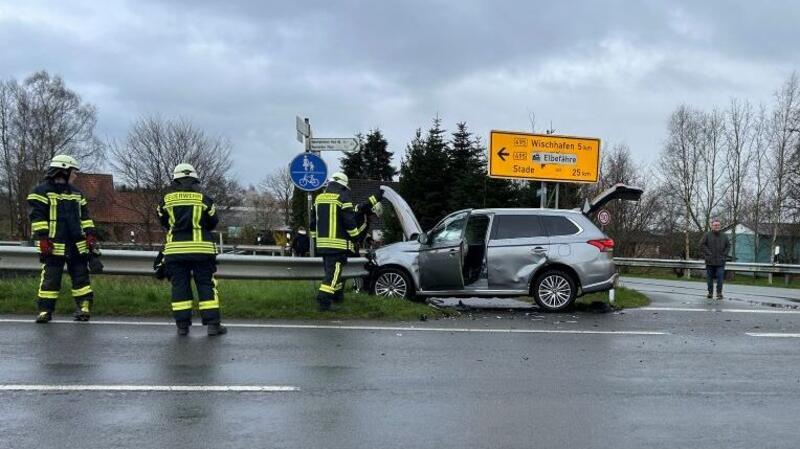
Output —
<point x="543" y="157"/>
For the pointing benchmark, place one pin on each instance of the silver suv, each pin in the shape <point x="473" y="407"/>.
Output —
<point x="554" y="255"/>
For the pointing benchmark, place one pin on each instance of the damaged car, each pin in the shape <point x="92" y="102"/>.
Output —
<point x="552" y="255"/>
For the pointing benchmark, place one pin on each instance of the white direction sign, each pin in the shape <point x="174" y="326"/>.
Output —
<point x="303" y="128"/>
<point x="334" y="144"/>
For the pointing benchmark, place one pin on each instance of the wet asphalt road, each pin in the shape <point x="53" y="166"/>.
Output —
<point x="698" y="375"/>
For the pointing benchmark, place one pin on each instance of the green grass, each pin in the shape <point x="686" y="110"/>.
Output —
<point x="738" y="279"/>
<point x="625" y="298"/>
<point x="144" y="296"/>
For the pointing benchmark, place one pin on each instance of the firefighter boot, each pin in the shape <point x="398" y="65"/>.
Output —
<point x="183" y="328"/>
<point x="216" y="329"/>
<point x="82" y="312"/>
<point x="44" y="317"/>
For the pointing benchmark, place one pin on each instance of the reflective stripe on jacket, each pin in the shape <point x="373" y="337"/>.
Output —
<point x="333" y="224"/>
<point x="189" y="217"/>
<point x="60" y="212"/>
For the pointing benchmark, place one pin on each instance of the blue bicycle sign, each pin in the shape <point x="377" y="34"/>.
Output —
<point x="308" y="171"/>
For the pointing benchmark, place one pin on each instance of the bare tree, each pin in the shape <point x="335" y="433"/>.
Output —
<point x="154" y="146"/>
<point x="784" y="141"/>
<point x="279" y="186"/>
<point x="680" y="164"/>
<point x="759" y="144"/>
<point x="40" y="118"/>
<point x="738" y="137"/>
<point x="632" y="220"/>
<point x="713" y="187"/>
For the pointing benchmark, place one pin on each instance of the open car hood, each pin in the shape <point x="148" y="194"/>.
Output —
<point x="408" y="221"/>
<point x="617" y="192"/>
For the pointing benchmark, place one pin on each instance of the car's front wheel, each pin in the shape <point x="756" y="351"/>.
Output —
<point x="393" y="283"/>
<point x="554" y="291"/>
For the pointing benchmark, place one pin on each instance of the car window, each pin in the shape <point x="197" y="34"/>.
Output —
<point x="518" y="226"/>
<point x="449" y="230"/>
<point x="556" y="225"/>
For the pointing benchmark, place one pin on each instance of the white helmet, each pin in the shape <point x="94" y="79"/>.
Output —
<point x="65" y="162"/>
<point x="341" y="178"/>
<point x="184" y="170"/>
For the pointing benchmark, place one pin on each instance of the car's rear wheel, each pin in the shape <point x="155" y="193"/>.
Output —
<point x="554" y="291"/>
<point x="393" y="283"/>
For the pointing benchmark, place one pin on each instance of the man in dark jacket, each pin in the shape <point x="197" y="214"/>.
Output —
<point x="301" y="244"/>
<point x="65" y="233"/>
<point x="189" y="217"/>
<point x="714" y="249"/>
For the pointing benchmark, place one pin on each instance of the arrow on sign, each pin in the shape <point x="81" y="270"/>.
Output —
<point x="503" y="154"/>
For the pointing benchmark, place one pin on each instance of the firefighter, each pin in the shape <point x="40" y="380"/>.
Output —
<point x="189" y="216"/>
<point x="333" y="228"/>
<point x="66" y="234"/>
<point x="372" y="206"/>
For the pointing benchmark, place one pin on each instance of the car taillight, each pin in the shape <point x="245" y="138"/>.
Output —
<point x="603" y="245"/>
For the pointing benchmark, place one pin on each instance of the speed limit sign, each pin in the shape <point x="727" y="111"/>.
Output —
<point x="604" y="217"/>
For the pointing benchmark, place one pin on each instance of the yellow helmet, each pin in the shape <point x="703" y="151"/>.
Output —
<point x="65" y="162"/>
<point x="184" y="170"/>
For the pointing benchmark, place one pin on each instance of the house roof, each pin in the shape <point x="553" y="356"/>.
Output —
<point x="107" y="205"/>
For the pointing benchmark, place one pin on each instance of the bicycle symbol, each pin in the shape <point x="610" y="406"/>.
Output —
<point x="307" y="180"/>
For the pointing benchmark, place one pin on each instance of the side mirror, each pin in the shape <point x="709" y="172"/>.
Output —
<point x="422" y="238"/>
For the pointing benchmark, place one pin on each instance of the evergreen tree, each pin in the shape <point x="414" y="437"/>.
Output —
<point x="467" y="164"/>
<point x="377" y="158"/>
<point x="352" y="163"/>
<point x="373" y="160"/>
<point x="299" y="215"/>
<point x="424" y="177"/>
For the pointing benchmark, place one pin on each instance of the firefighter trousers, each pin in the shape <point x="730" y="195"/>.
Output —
<point x="181" y="273"/>
<point x="50" y="282"/>
<point x="332" y="287"/>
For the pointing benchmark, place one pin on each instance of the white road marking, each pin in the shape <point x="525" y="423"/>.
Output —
<point x="167" y="388"/>
<point x="697" y="309"/>
<point x="367" y="328"/>
<point x="772" y="335"/>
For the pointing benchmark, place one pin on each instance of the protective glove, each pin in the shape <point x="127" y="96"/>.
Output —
<point x="91" y="242"/>
<point x="377" y="209"/>
<point x="46" y="246"/>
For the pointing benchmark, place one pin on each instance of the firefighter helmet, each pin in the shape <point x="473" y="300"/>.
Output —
<point x="184" y="170"/>
<point x="341" y="178"/>
<point x="64" y="162"/>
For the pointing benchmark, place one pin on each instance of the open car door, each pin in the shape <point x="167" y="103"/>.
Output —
<point x="617" y="192"/>
<point x="408" y="221"/>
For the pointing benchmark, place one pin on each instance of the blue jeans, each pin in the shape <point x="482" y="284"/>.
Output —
<point x="715" y="272"/>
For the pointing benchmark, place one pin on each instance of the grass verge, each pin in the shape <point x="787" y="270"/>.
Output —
<point x="249" y="299"/>
<point x="624" y="298"/>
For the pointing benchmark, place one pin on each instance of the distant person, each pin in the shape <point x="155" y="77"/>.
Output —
<point x="714" y="249"/>
<point x="301" y="244"/>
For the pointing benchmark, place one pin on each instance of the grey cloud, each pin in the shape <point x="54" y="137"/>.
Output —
<point x="243" y="69"/>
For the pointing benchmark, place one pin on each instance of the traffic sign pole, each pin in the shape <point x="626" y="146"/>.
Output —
<point x="310" y="200"/>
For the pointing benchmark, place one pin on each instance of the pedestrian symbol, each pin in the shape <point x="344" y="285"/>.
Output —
<point x="308" y="171"/>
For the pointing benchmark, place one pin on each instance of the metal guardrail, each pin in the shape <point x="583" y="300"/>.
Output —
<point x="701" y="265"/>
<point x="229" y="265"/>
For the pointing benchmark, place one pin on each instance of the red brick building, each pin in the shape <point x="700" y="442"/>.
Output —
<point x="117" y="212"/>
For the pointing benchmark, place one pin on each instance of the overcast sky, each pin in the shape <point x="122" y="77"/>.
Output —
<point x="244" y="69"/>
